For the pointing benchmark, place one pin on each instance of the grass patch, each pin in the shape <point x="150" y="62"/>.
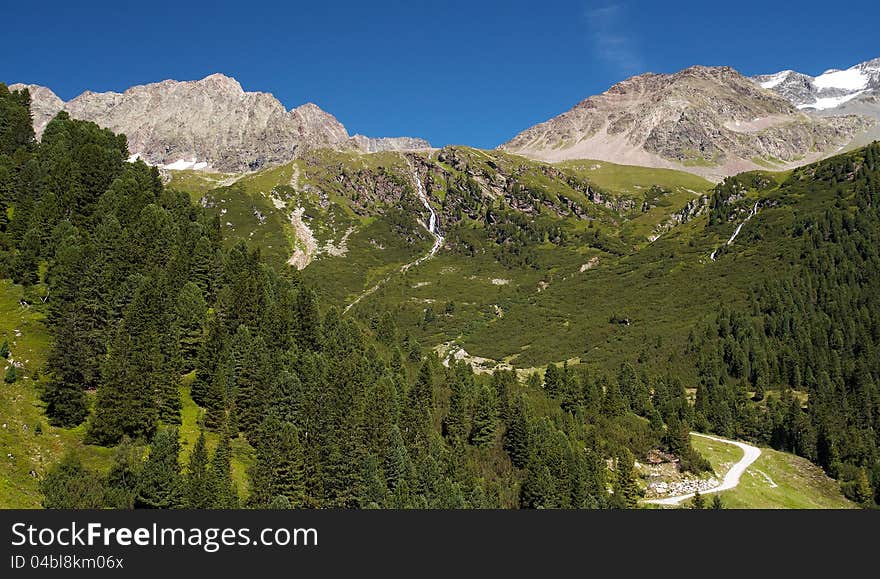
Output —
<point x="777" y="480"/>
<point x="21" y="410"/>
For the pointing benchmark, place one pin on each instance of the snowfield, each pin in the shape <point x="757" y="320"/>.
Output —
<point x="830" y="102"/>
<point x="850" y="79"/>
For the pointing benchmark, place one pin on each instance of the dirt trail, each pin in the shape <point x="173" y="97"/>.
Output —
<point x="731" y="478"/>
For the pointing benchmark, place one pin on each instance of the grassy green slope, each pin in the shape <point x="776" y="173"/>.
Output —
<point x="21" y="410"/>
<point x="777" y="480"/>
<point x="26" y="452"/>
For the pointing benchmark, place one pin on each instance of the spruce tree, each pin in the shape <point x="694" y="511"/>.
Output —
<point x="455" y="423"/>
<point x="198" y="484"/>
<point x="485" y="418"/>
<point x="516" y="438"/>
<point x="124" y="476"/>
<point x="189" y="317"/>
<point x="223" y="492"/>
<point x="251" y="369"/>
<point x="553" y="380"/>
<point x="161" y="484"/>
<point x="69" y="485"/>
<point x="307" y="327"/>
<point x="626" y="491"/>
<point x="397" y="464"/>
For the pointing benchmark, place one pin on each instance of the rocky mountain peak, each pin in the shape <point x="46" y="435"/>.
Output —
<point x="709" y="120"/>
<point x="208" y="123"/>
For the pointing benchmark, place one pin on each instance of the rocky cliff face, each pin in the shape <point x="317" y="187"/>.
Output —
<point x="707" y="120"/>
<point x="209" y="123"/>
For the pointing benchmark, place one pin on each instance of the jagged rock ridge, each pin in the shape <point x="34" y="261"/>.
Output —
<point x="209" y="123"/>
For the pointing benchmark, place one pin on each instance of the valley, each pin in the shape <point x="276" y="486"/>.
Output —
<point x="321" y="320"/>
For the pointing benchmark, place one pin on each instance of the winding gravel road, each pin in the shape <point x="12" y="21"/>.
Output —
<point x="731" y="478"/>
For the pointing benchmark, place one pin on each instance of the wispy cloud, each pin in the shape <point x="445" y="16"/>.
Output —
<point x="613" y="42"/>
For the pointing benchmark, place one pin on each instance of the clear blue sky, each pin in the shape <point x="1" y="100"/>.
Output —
<point x="454" y="72"/>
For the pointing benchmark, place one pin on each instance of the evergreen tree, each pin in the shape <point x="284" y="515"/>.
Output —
<point x="189" y="316"/>
<point x="516" y="437"/>
<point x="455" y="423"/>
<point x="222" y="488"/>
<point x="161" y="485"/>
<point x="198" y="484"/>
<point x="553" y="380"/>
<point x="69" y="485"/>
<point x="307" y="326"/>
<point x="485" y="418"/>
<point x="124" y="476"/>
<point x="626" y="491"/>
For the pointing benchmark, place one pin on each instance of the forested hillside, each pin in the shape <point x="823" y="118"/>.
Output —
<point x="220" y="378"/>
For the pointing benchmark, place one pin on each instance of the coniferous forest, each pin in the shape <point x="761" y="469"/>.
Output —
<point x="149" y="308"/>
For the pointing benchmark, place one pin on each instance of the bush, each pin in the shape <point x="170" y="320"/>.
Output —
<point x="12" y="374"/>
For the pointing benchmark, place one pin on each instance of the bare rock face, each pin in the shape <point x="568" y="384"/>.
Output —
<point x="707" y="120"/>
<point x="45" y="104"/>
<point x="209" y="123"/>
<point x="376" y="144"/>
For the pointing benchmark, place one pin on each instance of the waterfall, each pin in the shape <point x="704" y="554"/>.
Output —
<point x="739" y="227"/>
<point x="432" y="219"/>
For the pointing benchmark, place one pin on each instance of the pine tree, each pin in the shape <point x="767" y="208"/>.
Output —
<point x="223" y="493"/>
<point x="69" y="485"/>
<point x="626" y="492"/>
<point x="421" y="396"/>
<point x="397" y="464"/>
<point x="66" y="403"/>
<point x="698" y="503"/>
<point x="212" y="354"/>
<point x="613" y="403"/>
<point x="251" y="380"/>
<point x="189" y="316"/>
<point x="516" y="438"/>
<point x="716" y="502"/>
<point x="455" y="423"/>
<point x="278" y="469"/>
<point x="161" y="484"/>
<point x="553" y="380"/>
<point x="386" y="331"/>
<point x="124" y="476"/>
<point x="289" y="468"/>
<point x="485" y="418"/>
<point x="307" y="328"/>
<point x="198" y="487"/>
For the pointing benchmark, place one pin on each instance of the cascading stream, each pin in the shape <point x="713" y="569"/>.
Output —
<point x="432" y="229"/>
<point x="739" y="227"/>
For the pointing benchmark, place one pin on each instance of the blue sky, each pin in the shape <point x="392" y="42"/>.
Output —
<point x="454" y="72"/>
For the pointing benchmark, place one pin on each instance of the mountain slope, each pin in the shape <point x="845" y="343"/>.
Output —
<point x="210" y="122"/>
<point x="707" y="120"/>
<point x="855" y="90"/>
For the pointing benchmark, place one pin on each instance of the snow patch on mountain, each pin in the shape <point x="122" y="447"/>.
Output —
<point x="830" y="91"/>
<point x="775" y="79"/>
<point x="182" y="165"/>
<point x="826" y="103"/>
<point x="850" y="79"/>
